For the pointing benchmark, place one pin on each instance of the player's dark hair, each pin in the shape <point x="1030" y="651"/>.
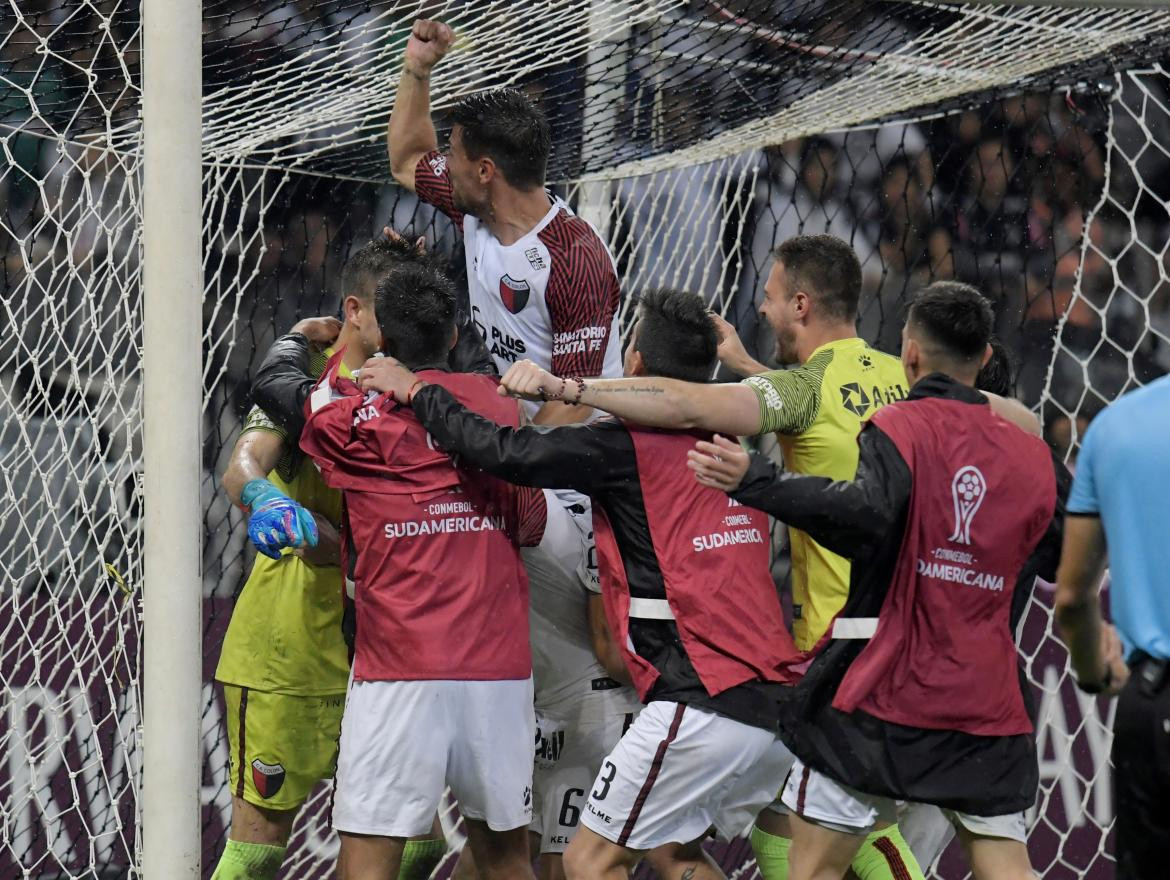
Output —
<point x="956" y="317"/>
<point x="676" y="336"/>
<point x="998" y="375"/>
<point x="509" y="129"/>
<point x="415" y="305"/>
<point x="827" y="269"/>
<point x="369" y="264"/>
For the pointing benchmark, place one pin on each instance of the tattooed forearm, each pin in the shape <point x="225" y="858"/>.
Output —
<point x="626" y="389"/>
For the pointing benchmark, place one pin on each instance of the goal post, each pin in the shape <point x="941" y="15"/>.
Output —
<point x="172" y="278"/>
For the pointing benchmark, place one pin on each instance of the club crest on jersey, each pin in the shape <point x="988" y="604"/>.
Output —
<point x="968" y="489"/>
<point x="268" y="778"/>
<point x="514" y="294"/>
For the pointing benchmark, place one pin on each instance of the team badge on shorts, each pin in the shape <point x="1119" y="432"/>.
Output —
<point x="514" y="294"/>
<point x="268" y="778"/>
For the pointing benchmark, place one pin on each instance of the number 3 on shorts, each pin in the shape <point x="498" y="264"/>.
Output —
<point x="608" y="772"/>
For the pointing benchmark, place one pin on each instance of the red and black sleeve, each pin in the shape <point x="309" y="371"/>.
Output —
<point x="582" y="296"/>
<point x="432" y="182"/>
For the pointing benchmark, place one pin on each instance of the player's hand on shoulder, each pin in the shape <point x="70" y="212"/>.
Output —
<point x="527" y="381"/>
<point x="429" y="42"/>
<point x="385" y="375"/>
<point x="276" y="521"/>
<point x="720" y="464"/>
<point x="320" y="331"/>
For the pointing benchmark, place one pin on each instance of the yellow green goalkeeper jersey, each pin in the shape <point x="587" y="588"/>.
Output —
<point x="285" y="632"/>
<point x="816" y="411"/>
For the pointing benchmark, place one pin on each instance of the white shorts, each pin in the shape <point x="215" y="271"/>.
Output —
<point x="403" y="742"/>
<point x="568" y="755"/>
<point x="817" y="798"/>
<point x="926" y="830"/>
<point x="680" y="770"/>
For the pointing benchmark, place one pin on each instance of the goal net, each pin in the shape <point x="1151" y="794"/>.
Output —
<point x="1025" y="149"/>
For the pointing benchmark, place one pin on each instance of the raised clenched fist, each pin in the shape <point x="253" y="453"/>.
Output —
<point x="429" y="42"/>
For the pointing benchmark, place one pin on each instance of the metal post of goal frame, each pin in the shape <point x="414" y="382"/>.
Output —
<point x="172" y="403"/>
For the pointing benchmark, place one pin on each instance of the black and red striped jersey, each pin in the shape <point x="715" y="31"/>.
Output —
<point x="551" y="297"/>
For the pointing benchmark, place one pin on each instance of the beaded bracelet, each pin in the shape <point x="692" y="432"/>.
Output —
<point x="580" y="391"/>
<point x="547" y="395"/>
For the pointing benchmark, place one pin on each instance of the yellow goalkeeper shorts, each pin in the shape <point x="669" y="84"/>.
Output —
<point x="281" y="745"/>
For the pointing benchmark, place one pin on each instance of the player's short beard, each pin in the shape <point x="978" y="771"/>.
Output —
<point x="786" y="346"/>
<point x="466" y="206"/>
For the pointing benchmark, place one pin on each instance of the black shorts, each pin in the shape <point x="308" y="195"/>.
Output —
<point x="1141" y="778"/>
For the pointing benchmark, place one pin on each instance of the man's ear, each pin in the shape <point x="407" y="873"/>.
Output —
<point x="350" y="306"/>
<point x="911" y="352"/>
<point x="454" y="338"/>
<point x="803" y="303"/>
<point x="986" y="356"/>
<point x="485" y="169"/>
<point x="637" y="365"/>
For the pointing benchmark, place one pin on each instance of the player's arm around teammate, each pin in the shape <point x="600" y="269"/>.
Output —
<point x="652" y="400"/>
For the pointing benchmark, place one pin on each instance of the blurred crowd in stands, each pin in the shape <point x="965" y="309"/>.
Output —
<point x="1003" y="196"/>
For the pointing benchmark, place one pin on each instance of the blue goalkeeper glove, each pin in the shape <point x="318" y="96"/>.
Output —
<point x="276" y="521"/>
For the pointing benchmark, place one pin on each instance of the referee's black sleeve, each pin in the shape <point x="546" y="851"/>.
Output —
<point x="580" y="457"/>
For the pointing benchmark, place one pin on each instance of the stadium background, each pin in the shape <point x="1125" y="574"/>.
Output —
<point x="1045" y="187"/>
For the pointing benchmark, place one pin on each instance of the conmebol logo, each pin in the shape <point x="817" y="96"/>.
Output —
<point x="967" y="490"/>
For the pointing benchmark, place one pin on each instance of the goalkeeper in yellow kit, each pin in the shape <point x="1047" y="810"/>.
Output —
<point x="284" y="664"/>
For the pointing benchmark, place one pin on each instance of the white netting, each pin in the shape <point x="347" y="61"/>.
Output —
<point x="69" y="449"/>
<point x="695" y="135"/>
<point x="1115" y="322"/>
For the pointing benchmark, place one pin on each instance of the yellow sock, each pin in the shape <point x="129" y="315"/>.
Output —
<point x="771" y="854"/>
<point x="248" y="861"/>
<point x="886" y="855"/>
<point x="420" y="858"/>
